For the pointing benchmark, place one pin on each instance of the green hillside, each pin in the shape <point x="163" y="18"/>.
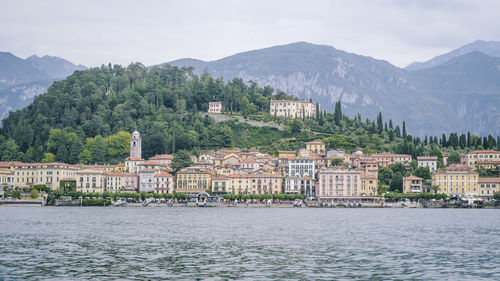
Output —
<point x="85" y="118"/>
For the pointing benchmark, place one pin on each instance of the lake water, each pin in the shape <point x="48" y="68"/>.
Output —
<point x="245" y="243"/>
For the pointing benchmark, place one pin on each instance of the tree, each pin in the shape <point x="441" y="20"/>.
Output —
<point x="384" y="175"/>
<point x="181" y="160"/>
<point x="48" y="158"/>
<point x="338" y="113"/>
<point x="396" y="183"/>
<point x="296" y="126"/>
<point x="337" y="161"/>
<point x="75" y="149"/>
<point x="262" y="102"/>
<point x="454" y="158"/>
<point x="34" y="193"/>
<point x="380" y="125"/>
<point x="435" y="188"/>
<point x="423" y="172"/>
<point x="98" y="150"/>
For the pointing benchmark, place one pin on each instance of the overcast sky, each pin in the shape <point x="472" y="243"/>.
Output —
<point x="152" y="32"/>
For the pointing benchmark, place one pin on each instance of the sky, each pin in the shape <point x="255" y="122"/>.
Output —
<point x="152" y="32"/>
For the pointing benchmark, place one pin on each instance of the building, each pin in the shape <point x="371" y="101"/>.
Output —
<point x="488" y="164"/>
<point x="215" y="107"/>
<point x="428" y="161"/>
<point x="316" y="146"/>
<point x="385" y="159"/>
<point x="300" y="167"/>
<point x="457" y="180"/>
<point x="194" y="180"/>
<point x="488" y="187"/>
<point x="122" y="182"/>
<point x="262" y="183"/>
<point x="157" y="166"/>
<point x="164" y="159"/>
<point x="49" y="174"/>
<point x="292" y="109"/>
<point x="147" y="180"/>
<point x="136" y="145"/>
<point x="164" y="183"/>
<point x="90" y="181"/>
<point x="7" y="173"/>
<point x="369" y="184"/>
<point x="413" y="184"/>
<point x="220" y="184"/>
<point x="132" y="164"/>
<point x="339" y="183"/>
<point x="473" y="157"/>
<point x="303" y="185"/>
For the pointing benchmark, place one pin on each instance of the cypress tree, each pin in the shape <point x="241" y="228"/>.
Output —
<point x="380" y="124"/>
<point x="390" y="124"/>
<point x="425" y="140"/>
<point x="404" y="129"/>
<point x="485" y="143"/>
<point x="468" y="139"/>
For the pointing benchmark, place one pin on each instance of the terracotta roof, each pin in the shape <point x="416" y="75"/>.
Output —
<point x="162" y="157"/>
<point x="255" y="176"/>
<point x="315" y="142"/>
<point x="427" y="158"/>
<point x="147" y="170"/>
<point x="134" y="159"/>
<point x="163" y="174"/>
<point x="220" y="178"/>
<point x="484" y="152"/>
<point x="151" y="163"/>
<point x="479" y="162"/>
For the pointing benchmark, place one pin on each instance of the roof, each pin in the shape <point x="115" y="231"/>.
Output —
<point x="162" y="157"/>
<point x="151" y="163"/>
<point x="147" y="171"/>
<point x="427" y="158"/>
<point x="456" y="168"/>
<point x="89" y="171"/>
<point x="220" y="178"/>
<point x="163" y="174"/>
<point x="134" y="159"/>
<point x="299" y="101"/>
<point x="119" y="174"/>
<point x="315" y="142"/>
<point x="489" y="180"/>
<point x="484" y="152"/>
<point x="266" y="175"/>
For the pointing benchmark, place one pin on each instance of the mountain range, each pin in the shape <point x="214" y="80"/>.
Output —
<point x="457" y="91"/>
<point x="23" y="79"/>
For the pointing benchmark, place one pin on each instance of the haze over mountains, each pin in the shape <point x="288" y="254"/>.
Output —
<point x="457" y="91"/>
<point x="22" y="79"/>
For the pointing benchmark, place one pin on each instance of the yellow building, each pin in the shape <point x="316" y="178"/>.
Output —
<point x="193" y="180"/>
<point x="287" y="154"/>
<point x="369" y="184"/>
<point x="49" y="174"/>
<point x="220" y="184"/>
<point x="488" y="187"/>
<point x="457" y="180"/>
<point x="255" y="184"/>
<point x="292" y="109"/>
<point x="215" y="107"/>
<point x="7" y="173"/>
<point x="90" y="181"/>
<point x="316" y="146"/>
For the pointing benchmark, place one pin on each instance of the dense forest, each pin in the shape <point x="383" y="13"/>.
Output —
<point x="88" y="117"/>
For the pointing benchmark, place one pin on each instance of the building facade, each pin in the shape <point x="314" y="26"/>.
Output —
<point x="457" y="180"/>
<point x="473" y="157"/>
<point x="215" y="107"/>
<point x="339" y="183"/>
<point x="413" y="184"/>
<point x="428" y="161"/>
<point x="193" y="180"/>
<point x="488" y="187"/>
<point x="90" y="181"/>
<point x="300" y="167"/>
<point x="292" y="109"/>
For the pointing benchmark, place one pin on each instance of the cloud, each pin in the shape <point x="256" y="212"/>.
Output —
<point x="97" y="32"/>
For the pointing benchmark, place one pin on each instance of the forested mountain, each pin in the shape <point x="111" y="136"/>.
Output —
<point x="23" y="79"/>
<point x="87" y="117"/>
<point x="368" y="86"/>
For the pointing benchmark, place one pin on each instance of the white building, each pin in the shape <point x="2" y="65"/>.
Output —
<point x="428" y="161"/>
<point x="147" y="180"/>
<point x="300" y="167"/>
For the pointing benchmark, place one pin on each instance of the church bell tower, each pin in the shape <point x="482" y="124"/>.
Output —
<point x="135" y="145"/>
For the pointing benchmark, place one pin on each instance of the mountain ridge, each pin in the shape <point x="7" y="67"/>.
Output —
<point x="364" y="84"/>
